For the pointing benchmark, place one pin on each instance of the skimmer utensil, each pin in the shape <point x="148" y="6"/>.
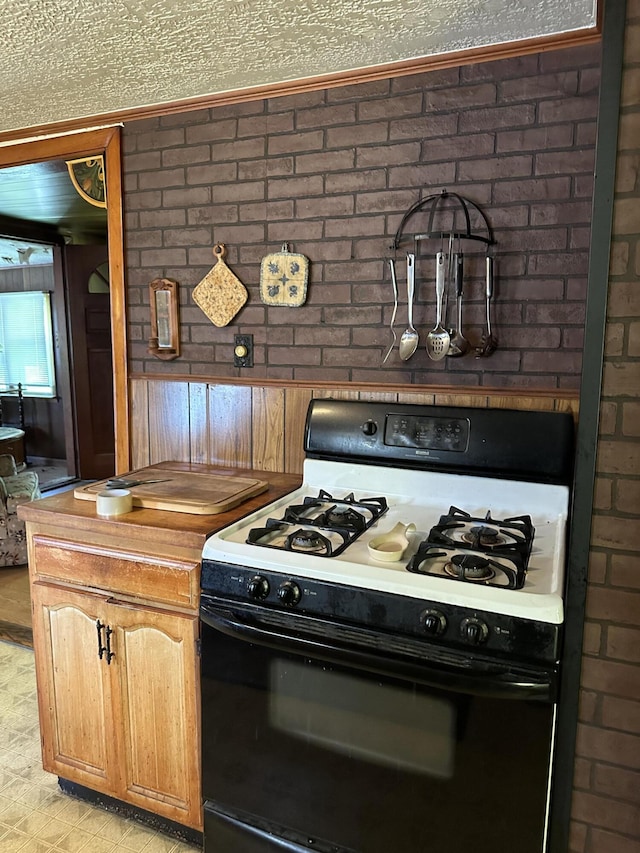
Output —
<point x="438" y="339"/>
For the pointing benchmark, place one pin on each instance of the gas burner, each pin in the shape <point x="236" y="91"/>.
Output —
<point x="313" y="541"/>
<point x="307" y="540"/>
<point x="470" y="567"/>
<point x="343" y="516"/>
<point x="482" y="536"/>
<point x="455" y="564"/>
<point x="488" y="535"/>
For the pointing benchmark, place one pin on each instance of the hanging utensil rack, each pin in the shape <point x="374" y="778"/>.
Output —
<point x="458" y="208"/>
<point x="451" y="208"/>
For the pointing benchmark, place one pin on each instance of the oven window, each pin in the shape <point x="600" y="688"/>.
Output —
<point x="379" y="723"/>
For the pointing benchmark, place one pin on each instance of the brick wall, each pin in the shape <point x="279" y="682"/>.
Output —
<point x="606" y="807"/>
<point x="332" y="173"/>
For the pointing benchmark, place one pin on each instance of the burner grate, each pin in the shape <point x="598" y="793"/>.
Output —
<point x="478" y="550"/>
<point x="322" y="526"/>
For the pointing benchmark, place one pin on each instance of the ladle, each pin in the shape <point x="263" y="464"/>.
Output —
<point x="409" y="340"/>
<point x="489" y="342"/>
<point x="458" y="344"/>
<point x="438" y="339"/>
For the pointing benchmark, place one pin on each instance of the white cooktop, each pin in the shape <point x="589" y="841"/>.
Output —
<point x="418" y="497"/>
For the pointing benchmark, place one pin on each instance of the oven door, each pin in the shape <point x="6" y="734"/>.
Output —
<point x="318" y="736"/>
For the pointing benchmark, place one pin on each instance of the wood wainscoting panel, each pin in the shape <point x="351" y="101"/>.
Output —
<point x="169" y="422"/>
<point x="295" y="415"/>
<point x="198" y="422"/>
<point x="268" y="428"/>
<point x="229" y="440"/>
<point x="139" y="394"/>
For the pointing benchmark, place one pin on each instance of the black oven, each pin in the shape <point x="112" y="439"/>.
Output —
<point x="326" y="738"/>
<point x="380" y="648"/>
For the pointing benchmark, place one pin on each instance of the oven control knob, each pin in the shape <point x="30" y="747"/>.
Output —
<point x="289" y="593"/>
<point x="434" y="622"/>
<point x="473" y="631"/>
<point x="258" y="587"/>
<point x="369" y="427"/>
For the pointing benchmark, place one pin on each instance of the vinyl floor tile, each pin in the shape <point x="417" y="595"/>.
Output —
<point x="35" y="816"/>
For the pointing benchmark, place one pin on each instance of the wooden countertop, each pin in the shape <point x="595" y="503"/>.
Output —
<point x="160" y="527"/>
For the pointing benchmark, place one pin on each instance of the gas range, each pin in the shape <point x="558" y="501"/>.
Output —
<point x="478" y="501"/>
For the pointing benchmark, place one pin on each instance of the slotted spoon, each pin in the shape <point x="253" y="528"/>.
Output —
<point x="438" y="339"/>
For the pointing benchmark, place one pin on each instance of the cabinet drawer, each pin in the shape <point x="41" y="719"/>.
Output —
<point x="113" y="570"/>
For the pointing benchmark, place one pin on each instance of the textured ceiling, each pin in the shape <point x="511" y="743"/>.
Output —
<point x="69" y="59"/>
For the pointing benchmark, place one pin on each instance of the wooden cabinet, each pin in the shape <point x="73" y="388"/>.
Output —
<point x="115" y="634"/>
<point x="118" y="692"/>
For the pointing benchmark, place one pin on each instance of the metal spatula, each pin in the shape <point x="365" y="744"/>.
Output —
<point x="438" y="339"/>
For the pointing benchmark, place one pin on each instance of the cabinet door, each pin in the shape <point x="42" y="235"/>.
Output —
<point x="74" y="693"/>
<point x="156" y="692"/>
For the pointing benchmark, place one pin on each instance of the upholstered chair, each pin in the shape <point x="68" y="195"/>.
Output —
<point x="15" y="488"/>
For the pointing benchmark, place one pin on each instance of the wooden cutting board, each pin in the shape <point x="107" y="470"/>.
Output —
<point x="220" y="294"/>
<point x="183" y="491"/>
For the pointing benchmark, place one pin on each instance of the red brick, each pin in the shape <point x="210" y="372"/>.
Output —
<point x="603" y="494"/>
<point x="539" y="86"/>
<point x="460" y="97"/>
<point x="349" y="137"/>
<point x="328" y="161"/>
<point x="588" y="706"/>
<point x="621" y="379"/>
<point x="621" y="714"/>
<point x="568" y="109"/>
<point x="621" y="679"/>
<point x="601" y="841"/>
<point x="631" y="419"/>
<point x="497" y="117"/>
<point x="292" y="187"/>
<point x="421" y="127"/>
<point x="251" y="170"/>
<point x="495" y="168"/>
<point x="212" y="131"/>
<point x="608" y="746"/>
<point x="616" y="782"/>
<point x="605" y="813"/>
<point x="185" y="155"/>
<point x="295" y="142"/>
<point x="325" y="116"/>
<point x="577" y="837"/>
<point x="387" y="155"/>
<point x="268" y="123"/>
<point x="624" y="644"/>
<point x="388" y="108"/>
<point x="535" y="138"/>
<point x="597" y="566"/>
<point x="329" y="206"/>
<point x="624" y="299"/>
<point x="564" y="162"/>
<point x="270" y="211"/>
<point x="211" y="173"/>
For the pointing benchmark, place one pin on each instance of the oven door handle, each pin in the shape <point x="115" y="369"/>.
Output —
<point x="489" y="677"/>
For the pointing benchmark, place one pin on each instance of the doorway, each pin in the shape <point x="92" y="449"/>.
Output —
<point x="107" y="142"/>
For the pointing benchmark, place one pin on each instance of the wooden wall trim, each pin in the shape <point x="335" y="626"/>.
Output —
<point x="456" y="390"/>
<point x="105" y="140"/>
<point x="356" y="76"/>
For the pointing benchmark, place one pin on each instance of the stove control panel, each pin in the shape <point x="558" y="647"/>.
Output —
<point x="427" y="433"/>
<point x="433" y="622"/>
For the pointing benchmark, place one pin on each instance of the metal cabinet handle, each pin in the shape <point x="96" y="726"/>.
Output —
<point x="110" y="654"/>
<point x="101" y="649"/>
